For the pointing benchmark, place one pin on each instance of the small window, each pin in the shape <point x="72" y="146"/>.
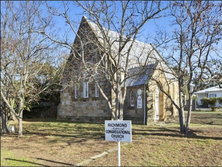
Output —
<point x="132" y="99"/>
<point x="96" y="91"/>
<point x="96" y="87"/>
<point x="85" y="90"/>
<point x="85" y="86"/>
<point x="75" y="91"/>
<point x="212" y="95"/>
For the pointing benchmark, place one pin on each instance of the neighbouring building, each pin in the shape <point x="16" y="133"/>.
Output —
<point x="210" y="92"/>
<point x="81" y="101"/>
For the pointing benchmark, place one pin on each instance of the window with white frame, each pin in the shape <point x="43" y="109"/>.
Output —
<point x="212" y="95"/>
<point x="132" y="99"/>
<point x="75" y="91"/>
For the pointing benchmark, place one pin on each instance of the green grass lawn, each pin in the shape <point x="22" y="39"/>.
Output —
<point x="47" y="142"/>
<point x="7" y="159"/>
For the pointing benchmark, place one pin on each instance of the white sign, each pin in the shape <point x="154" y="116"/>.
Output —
<point x="139" y="102"/>
<point x="139" y="92"/>
<point x="118" y="131"/>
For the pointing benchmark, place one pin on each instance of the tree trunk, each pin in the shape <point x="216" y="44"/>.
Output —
<point x="181" y="120"/>
<point x="112" y="114"/>
<point x="117" y="110"/>
<point x="118" y="102"/>
<point x="181" y="107"/>
<point x="4" y="123"/>
<point x="189" y="114"/>
<point x="121" y="110"/>
<point x="19" y="126"/>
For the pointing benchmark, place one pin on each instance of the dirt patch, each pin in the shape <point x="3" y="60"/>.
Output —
<point x="201" y="147"/>
<point x="52" y="151"/>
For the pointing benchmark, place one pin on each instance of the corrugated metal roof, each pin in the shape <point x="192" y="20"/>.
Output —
<point x="140" y="53"/>
<point x="139" y="75"/>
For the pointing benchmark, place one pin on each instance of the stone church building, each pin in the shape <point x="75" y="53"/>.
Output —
<point x="82" y="101"/>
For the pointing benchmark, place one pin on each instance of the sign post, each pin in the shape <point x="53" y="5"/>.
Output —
<point x="119" y="131"/>
<point x="119" y="157"/>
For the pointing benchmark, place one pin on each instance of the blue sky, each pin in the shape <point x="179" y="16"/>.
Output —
<point x="77" y="13"/>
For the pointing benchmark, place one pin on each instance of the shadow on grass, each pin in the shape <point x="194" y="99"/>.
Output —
<point x="41" y="120"/>
<point x="87" y="136"/>
<point x="216" y="117"/>
<point x="24" y="161"/>
<point x="78" y="134"/>
<point x="39" y="164"/>
<point x="173" y="133"/>
<point x="55" y="120"/>
<point x="78" y="130"/>
<point x="84" y="135"/>
<point x="57" y="162"/>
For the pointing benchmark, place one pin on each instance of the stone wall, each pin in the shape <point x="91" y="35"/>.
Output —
<point x="91" y="109"/>
<point x="166" y="108"/>
<point x="96" y="110"/>
<point x="150" y="109"/>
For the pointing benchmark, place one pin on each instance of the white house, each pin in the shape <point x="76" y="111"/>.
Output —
<point x="209" y="92"/>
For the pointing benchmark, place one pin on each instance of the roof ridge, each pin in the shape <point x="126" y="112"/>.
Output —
<point x="109" y="30"/>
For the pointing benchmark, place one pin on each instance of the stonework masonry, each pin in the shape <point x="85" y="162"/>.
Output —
<point x="95" y="109"/>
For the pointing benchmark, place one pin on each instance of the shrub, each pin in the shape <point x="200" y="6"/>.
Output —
<point x="205" y="101"/>
<point x="219" y="100"/>
<point x="212" y="103"/>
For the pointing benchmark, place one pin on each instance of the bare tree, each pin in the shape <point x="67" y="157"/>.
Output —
<point x="115" y="49"/>
<point x="24" y="55"/>
<point x="214" y="71"/>
<point x="194" y="42"/>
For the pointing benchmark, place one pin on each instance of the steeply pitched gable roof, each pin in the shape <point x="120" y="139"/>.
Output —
<point x="139" y="52"/>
